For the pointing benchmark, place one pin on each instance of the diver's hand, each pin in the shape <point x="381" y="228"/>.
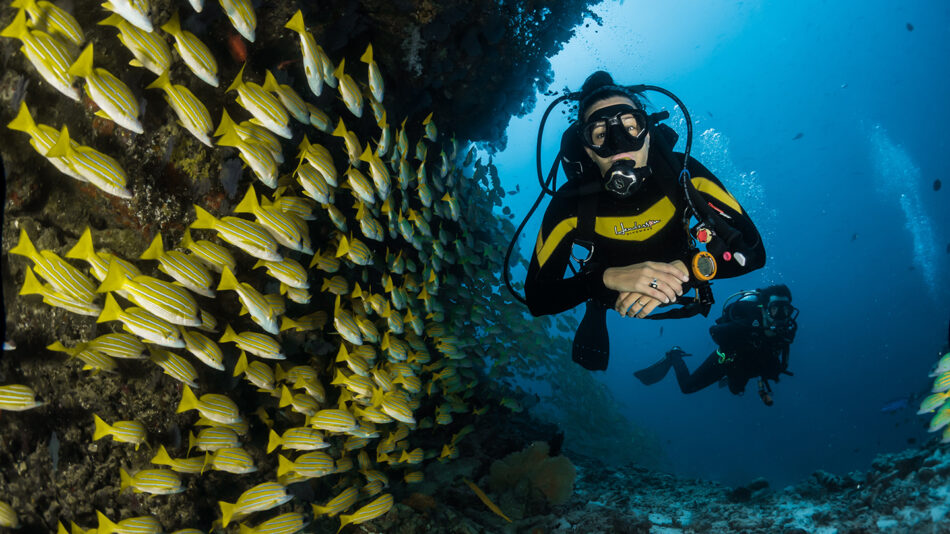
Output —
<point x="633" y="304"/>
<point x="637" y="278"/>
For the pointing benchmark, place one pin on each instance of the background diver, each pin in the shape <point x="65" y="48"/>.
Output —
<point x="624" y="204"/>
<point x="753" y="337"/>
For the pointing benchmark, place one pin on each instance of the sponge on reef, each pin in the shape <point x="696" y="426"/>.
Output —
<point x="553" y="477"/>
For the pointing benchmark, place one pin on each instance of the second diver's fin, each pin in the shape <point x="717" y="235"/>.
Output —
<point x="653" y="374"/>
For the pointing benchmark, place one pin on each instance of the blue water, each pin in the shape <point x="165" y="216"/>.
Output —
<point x="850" y="218"/>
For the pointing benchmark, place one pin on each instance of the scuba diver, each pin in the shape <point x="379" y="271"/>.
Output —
<point x="753" y="334"/>
<point x="628" y="205"/>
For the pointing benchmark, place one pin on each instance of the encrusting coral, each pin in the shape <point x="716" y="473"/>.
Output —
<point x="552" y="476"/>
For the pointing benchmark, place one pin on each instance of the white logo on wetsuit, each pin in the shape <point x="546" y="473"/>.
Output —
<point x="646" y="225"/>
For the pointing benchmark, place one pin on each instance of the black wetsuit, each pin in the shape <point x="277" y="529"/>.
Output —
<point x="745" y="351"/>
<point x="648" y="226"/>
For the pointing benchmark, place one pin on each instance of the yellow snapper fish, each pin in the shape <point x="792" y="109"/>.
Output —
<point x="175" y="366"/>
<point x="351" y="142"/>
<point x="303" y="438"/>
<point x="257" y="373"/>
<point x="203" y="348"/>
<point x="179" y="465"/>
<point x="262" y="312"/>
<point x="333" y="420"/>
<point x="378" y="172"/>
<point x="385" y="137"/>
<point x="192" y="114"/>
<point x="52" y="19"/>
<point x="98" y="169"/>
<point x="300" y="207"/>
<point x="242" y="17"/>
<point x="287" y="523"/>
<point x="432" y="132"/>
<point x="93" y="361"/>
<point x="48" y="55"/>
<point x="117" y="345"/>
<point x="148" y="48"/>
<point x="145" y="524"/>
<point x="286" y="229"/>
<point x="52" y="297"/>
<point x="308" y="48"/>
<point x="288" y="97"/>
<point x="338" y="504"/>
<point x="375" y="77"/>
<point x="320" y="160"/>
<point x="264" y="106"/>
<point x="134" y="11"/>
<point x="213" y="406"/>
<point x="211" y="254"/>
<point x="361" y="186"/>
<point x="234" y="460"/>
<point x="251" y="131"/>
<point x="255" y="155"/>
<point x="58" y="272"/>
<point x="193" y="52"/>
<point x="213" y="438"/>
<point x="319" y="119"/>
<point x="311" y="465"/>
<point x="17" y="398"/>
<point x="153" y="481"/>
<point x="286" y="271"/>
<point x="295" y="294"/>
<point x="42" y="139"/>
<point x="122" y="431"/>
<point x="185" y="269"/>
<point x="99" y="261"/>
<point x="115" y="100"/>
<point x="325" y="262"/>
<point x="374" y="509"/>
<point x="248" y="236"/>
<point x="349" y="91"/>
<point x="263" y="496"/>
<point x="164" y="299"/>
<point x="142" y="323"/>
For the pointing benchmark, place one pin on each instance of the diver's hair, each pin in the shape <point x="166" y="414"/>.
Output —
<point x="779" y="290"/>
<point x="599" y="86"/>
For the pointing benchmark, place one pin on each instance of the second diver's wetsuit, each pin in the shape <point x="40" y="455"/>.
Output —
<point x="648" y="226"/>
<point x="745" y="351"/>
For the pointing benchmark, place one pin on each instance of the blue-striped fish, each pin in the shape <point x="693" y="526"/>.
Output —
<point x="142" y="323"/>
<point x="402" y="140"/>
<point x="300" y="207"/>
<point x="215" y="407"/>
<point x="941" y="383"/>
<point x="179" y="465"/>
<point x="263" y="496"/>
<point x="191" y="113"/>
<point x="378" y="172"/>
<point x="145" y="524"/>
<point x="288" y="230"/>
<point x="165" y="300"/>
<point x="336" y="217"/>
<point x="257" y="372"/>
<point x="319" y="159"/>
<point x="233" y="460"/>
<point x="250" y="131"/>
<point x="248" y="236"/>
<point x="349" y="91"/>
<point x="175" y="366"/>
<point x="303" y="438"/>
<point x="350" y="141"/>
<point x="148" y="48"/>
<point x="186" y="270"/>
<point x="355" y="250"/>
<point x="311" y="464"/>
<point x="308" y="48"/>
<point x="48" y="55"/>
<point x="134" y="11"/>
<point x="333" y="420"/>
<point x="301" y="403"/>
<point x="213" y="438"/>
<point x="203" y="348"/>
<point x="287" y="271"/>
<point x="288" y="523"/>
<point x="93" y="360"/>
<point x="118" y="345"/>
<point x="255" y="155"/>
<point x="17" y="398"/>
<point x="95" y="167"/>
<point x="196" y="55"/>
<point x="52" y="297"/>
<point x="295" y="294"/>
<point x="52" y="19"/>
<point x="154" y="481"/>
<point x="340" y="503"/>
<point x="372" y="488"/>
<point x="260" y="345"/>
<point x="346" y="325"/>
<point x="385" y="137"/>
<point x="242" y="17"/>
<point x="368" y="329"/>
<point x="99" y="261"/>
<point x="213" y="255"/>
<point x="122" y="431"/>
<point x="414" y="477"/>
<point x="376" y="508"/>
<point x="241" y="428"/>
<point x="362" y="386"/>
<point x="431" y="131"/>
<point x="115" y="100"/>
<point x="42" y="139"/>
<point x="319" y="119"/>
<point x="265" y="107"/>
<point x="378" y="109"/>
<point x="369" y="226"/>
<point x="60" y="274"/>
<point x="375" y="77"/>
<point x="288" y="97"/>
<point x="336" y="285"/>
<point x="324" y="262"/>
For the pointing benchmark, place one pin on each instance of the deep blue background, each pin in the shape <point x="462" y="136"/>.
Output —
<point x="870" y="100"/>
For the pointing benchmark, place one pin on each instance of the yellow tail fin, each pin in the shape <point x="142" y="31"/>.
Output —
<point x="249" y="203"/>
<point x="32" y="286"/>
<point x="106" y="526"/>
<point x="241" y="365"/>
<point x="227" y="511"/>
<point x="226" y="125"/>
<point x="163" y="82"/>
<point x="102" y="429"/>
<point x="162" y="457"/>
<point x="238" y="80"/>
<point x="126" y="480"/>
<point x="285" y="397"/>
<point x="270" y="83"/>
<point x="25" y="247"/>
<point x="23" y="122"/>
<point x="338" y="71"/>
<point x="229" y="335"/>
<point x="154" y="251"/>
<point x="17" y="29"/>
<point x="112" y="20"/>
<point x="203" y="220"/>
<point x="82" y="67"/>
<point x="188" y="400"/>
<point x="228" y="281"/>
<point x="343" y="248"/>
<point x="62" y="148"/>
<point x="110" y="311"/>
<point x="340" y="130"/>
<point x="367" y="56"/>
<point x="274" y="441"/>
<point x="172" y="27"/>
<point x="284" y="465"/>
<point x="83" y="249"/>
<point x="115" y="278"/>
<point x="296" y="23"/>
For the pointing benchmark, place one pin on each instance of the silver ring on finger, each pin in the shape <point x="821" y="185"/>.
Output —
<point x="653" y="284"/>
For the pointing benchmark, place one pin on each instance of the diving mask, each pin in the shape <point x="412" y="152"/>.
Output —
<point x="781" y="313"/>
<point x="614" y="130"/>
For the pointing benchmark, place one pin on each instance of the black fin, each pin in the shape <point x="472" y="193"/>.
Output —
<point x="591" y="343"/>
<point x="653" y="374"/>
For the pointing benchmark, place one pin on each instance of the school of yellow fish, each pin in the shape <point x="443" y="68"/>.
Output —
<point x="402" y="249"/>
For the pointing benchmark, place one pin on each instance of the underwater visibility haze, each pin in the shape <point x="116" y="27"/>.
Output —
<point x="253" y="258"/>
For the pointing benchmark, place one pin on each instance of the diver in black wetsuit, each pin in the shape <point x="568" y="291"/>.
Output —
<point x="640" y="245"/>
<point x="754" y="334"/>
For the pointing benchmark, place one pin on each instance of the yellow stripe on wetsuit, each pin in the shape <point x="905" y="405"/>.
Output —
<point x="711" y="188"/>
<point x="639" y="227"/>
